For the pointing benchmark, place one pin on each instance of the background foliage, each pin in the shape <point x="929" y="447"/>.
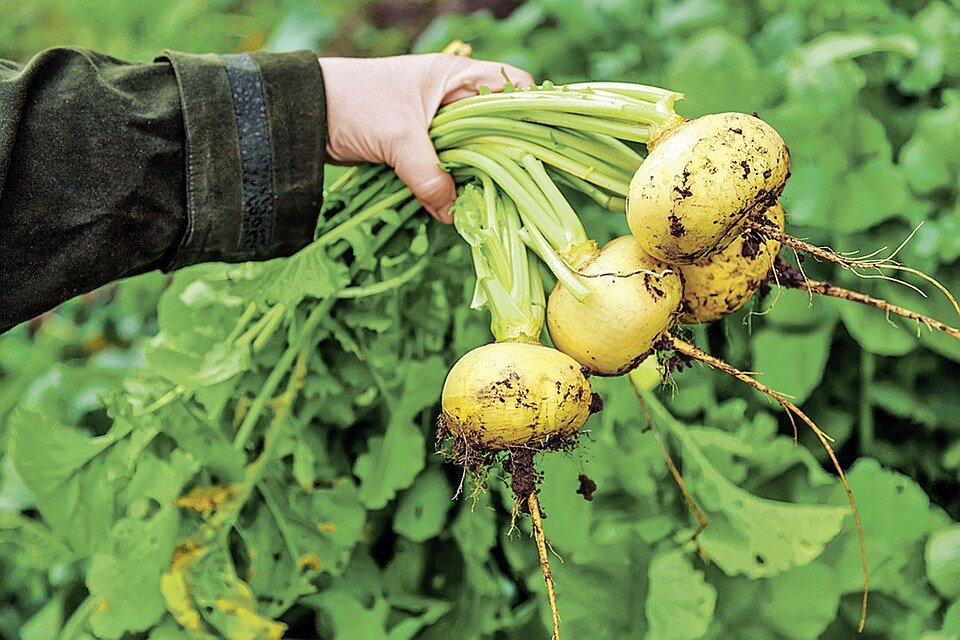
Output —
<point x="352" y="533"/>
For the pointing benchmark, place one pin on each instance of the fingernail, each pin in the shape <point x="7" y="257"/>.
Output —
<point x="443" y="214"/>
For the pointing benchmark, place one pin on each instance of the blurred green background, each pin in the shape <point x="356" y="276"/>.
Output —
<point x="867" y="95"/>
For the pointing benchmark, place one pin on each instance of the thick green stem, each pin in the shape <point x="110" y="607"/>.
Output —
<point x="387" y="284"/>
<point x="499" y="169"/>
<point x="242" y="323"/>
<point x="628" y="131"/>
<point x="570" y="161"/>
<point x="539" y="245"/>
<point x="276" y="315"/>
<point x="538" y="297"/>
<point x="540" y="234"/>
<point x="565" y="222"/>
<point x="606" y="149"/>
<point x="601" y="197"/>
<point x="279" y="371"/>
<point x="490" y="226"/>
<point x="630" y="159"/>
<point x="510" y="235"/>
<point x="566" y="102"/>
<point x="662" y="98"/>
<point x="568" y="217"/>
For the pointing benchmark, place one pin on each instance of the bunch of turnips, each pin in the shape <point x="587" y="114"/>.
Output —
<point x="701" y="199"/>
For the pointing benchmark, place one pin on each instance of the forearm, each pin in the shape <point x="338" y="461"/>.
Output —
<point x="109" y="169"/>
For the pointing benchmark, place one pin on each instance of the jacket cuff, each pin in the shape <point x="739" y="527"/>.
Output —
<point x="256" y="134"/>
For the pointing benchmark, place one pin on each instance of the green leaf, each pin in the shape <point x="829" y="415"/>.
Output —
<point x="393" y="461"/>
<point x="130" y="601"/>
<point x="832" y="47"/>
<point x="422" y="509"/>
<point x="747" y="534"/>
<point x="942" y="555"/>
<point x="570" y="516"/>
<point x="390" y="464"/>
<point x="717" y="72"/>
<point x="679" y="603"/>
<point x="926" y="157"/>
<point x="792" y="310"/>
<point x="792" y="363"/>
<point x="896" y="516"/>
<point x="951" y="619"/>
<point x="318" y="528"/>
<point x="125" y="600"/>
<point x="46" y="623"/>
<point x="429" y="610"/>
<point x="70" y="475"/>
<point x="874" y="192"/>
<point x="802" y="602"/>
<point x="874" y="331"/>
<point x="308" y="274"/>
<point x="352" y="619"/>
<point x="482" y="603"/>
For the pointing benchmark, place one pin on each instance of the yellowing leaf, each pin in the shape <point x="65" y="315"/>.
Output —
<point x="205" y="499"/>
<point x="202" y="589"/>
<point x="249" y="626"/>
<point x="311" y="562"/>
<point x="176" y="592"/>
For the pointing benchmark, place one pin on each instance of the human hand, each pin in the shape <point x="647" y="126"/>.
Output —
<point x="380" y="110"/>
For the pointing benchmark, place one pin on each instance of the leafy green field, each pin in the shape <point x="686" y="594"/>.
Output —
<point x="129" y="419"/>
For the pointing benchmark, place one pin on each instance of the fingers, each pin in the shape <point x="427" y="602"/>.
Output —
<point x="419" y="168"/>
<point x="468" y="76"/>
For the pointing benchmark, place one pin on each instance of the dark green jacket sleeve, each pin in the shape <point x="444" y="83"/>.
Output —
<point x="110" y="169"/>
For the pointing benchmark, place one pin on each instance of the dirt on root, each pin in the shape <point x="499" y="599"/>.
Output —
<point x="587" y="487"/>
<point x="474" y="459"/>
<point x="752" y="242"/>
<point x="477" y="459"/>
<point x="596" y="403"/>
<point x="786" y="274"/>
<point x="523" y="476"/>
<point x="670" y="363"/>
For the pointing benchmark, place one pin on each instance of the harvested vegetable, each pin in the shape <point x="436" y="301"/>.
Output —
<point x="704" y="201"/>
<point x="633" y="301"/>
<point x="700" y="180"/>
<point x="724" y="282"/>
<point x="516" y="395"/>
<point x="609" y="306"/>
<point x="515" y="392"/>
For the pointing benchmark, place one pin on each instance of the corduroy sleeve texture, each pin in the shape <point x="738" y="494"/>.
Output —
<point x="110" y="169"/>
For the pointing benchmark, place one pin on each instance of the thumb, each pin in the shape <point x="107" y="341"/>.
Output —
<point x="419" y="168"/>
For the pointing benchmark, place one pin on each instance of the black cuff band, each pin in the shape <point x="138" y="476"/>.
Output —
<point x="256" y="142"/>
<point x="256" y="158"/>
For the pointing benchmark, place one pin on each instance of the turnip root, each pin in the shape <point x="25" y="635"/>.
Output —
<point x="724" y="282"/>
<point x="609" y="306"/>
<point x="514" y="394"/>
<point x="633" y="300"/>
<point x="700" y="180"/>
<point x="507" y="400"/>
